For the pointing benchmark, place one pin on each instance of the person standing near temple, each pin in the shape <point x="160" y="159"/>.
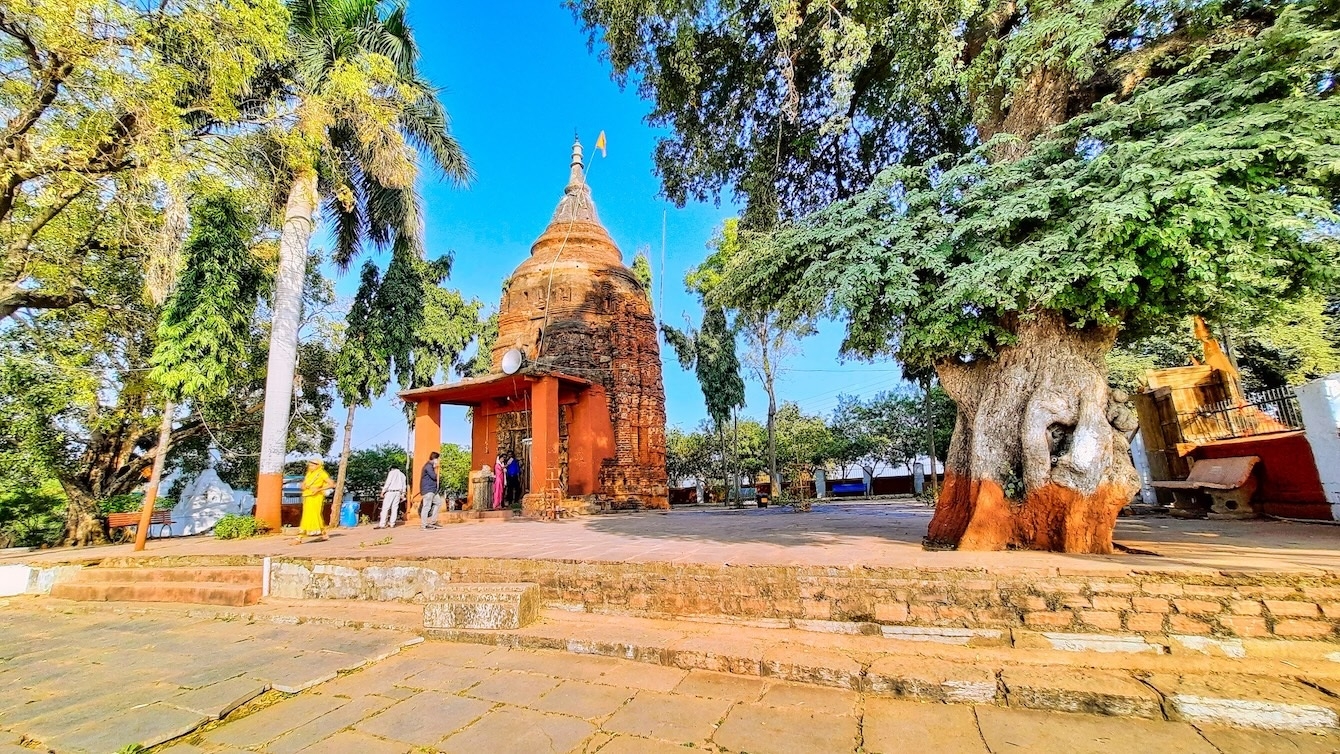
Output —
<point x="513" y="480"/>
<point x="428" y="490"/>
<point x="315" y="484"/>
<point x="392" y="490"/>
<point x="499" y="491"/>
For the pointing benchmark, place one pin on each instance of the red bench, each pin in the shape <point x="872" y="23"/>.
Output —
<point x="160" y="518"/>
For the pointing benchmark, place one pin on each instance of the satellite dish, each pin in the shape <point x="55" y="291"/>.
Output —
<point x="512" y="360"/>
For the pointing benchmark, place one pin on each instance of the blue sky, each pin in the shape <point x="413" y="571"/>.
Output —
<point x="518" y="81"/>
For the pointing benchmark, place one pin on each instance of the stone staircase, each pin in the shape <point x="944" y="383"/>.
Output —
<point x="227" y="586"/>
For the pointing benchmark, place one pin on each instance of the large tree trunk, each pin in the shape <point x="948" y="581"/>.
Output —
<point x="285" y="320"/>
<point x="1034" y="462"/>
<point x="344" y="467"/>
<point x="155" y="476"/>
<point x="83" y="526"/>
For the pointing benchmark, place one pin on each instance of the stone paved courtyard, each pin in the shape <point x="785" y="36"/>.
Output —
<point x="90" y="681"/>
<point x="873" y="534"/>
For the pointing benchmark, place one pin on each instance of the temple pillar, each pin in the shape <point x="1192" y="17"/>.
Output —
<point x="544" y="448"/>
<point x="427" y="440"/>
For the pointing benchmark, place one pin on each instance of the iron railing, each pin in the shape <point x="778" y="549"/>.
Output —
<point x="1261" y="413"/>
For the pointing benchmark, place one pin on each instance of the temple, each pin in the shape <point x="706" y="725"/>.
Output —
<point x="585" y="409"/>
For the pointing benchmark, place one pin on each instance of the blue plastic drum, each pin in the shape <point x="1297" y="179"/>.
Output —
<point x="349" y="514"/>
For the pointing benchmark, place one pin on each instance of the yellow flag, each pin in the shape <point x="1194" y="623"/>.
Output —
<point x="600" y="144"/>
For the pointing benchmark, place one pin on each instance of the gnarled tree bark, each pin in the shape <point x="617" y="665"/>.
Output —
<point x="1034" y="462"/>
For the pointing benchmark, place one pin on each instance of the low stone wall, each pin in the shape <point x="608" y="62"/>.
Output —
<point x="1225" y="604"/>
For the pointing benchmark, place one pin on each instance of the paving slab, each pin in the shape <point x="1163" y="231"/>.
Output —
<point x="425" y="719"/>
<point x="635" y="745"/>
<point x="147" y="726"/>
<point x="218" y="699"/>
<point x="273" y="722"/>
<point x="591" y="701"/>
<point x="721" y="686"/>
<point x="932" y="679"/>
<point x="507" y="730"/>
<point x="559" y="665"/>
<point x="669" y="717"/>
<point x="642" y="676"/>
<point x="328" y="724"/>
<point x="890" y="725"/>
<point x="447" y="678"/>
<point x="512" y="687"/>
<point x="1096" y="692"/>
<point x="814" y="698"/>
<point x="761" y="729"/>
<point x="297" y="674"/>
<point x="1239" y="741"/>
<point x="1246" y="702"/>
<point x="350" y="741"/>
<point x="1011" y="730"/>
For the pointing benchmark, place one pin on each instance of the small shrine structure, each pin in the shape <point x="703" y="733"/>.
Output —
<point x="583" y="408"/>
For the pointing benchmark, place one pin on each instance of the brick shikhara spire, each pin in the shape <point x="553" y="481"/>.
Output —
<point x="573" y="307"/>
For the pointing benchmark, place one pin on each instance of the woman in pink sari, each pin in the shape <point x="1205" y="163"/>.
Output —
<point x="498" y="483"/>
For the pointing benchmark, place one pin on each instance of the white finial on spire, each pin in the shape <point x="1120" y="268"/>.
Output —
<point x="578" y="175"/>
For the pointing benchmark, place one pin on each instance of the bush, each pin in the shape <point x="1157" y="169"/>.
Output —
<point x="235" y="526"/>
<point x="32" y="517"/>
<point x="121" y="503"/>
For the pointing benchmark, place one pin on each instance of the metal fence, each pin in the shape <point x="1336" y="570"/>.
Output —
<point x="1261" y="413"/>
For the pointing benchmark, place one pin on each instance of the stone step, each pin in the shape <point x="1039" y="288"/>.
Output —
<point x="200" y="593"/>
<point x="483" y="607"/>
<point x="491" y="516"/>
<point x="214" y="575"/>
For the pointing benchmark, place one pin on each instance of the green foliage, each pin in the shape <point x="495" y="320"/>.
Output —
<point x="893" y="425"/>
<point x="453" y="471"/>
<point x="689" y="455"/>
<point x="236" y="526"/>
<point x="1200" y="191"/>
<point x="486" y="334"/>
<point x="106" y="106"/>
<point x="32" y="517"/>
<point x="423" y="326"/>
<point x="362" y="366"/>
<point x="127" y="503"/>
<point x="367" y="469"/>
<point x="804" y="442"/>
<point x="203" y="334"/>
<point x="710" y="352"/>
<point x="642" y="271"/>
<point x="791" y="105"/>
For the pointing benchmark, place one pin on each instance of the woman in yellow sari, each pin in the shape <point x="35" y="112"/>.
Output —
<point x="314" y="487"/>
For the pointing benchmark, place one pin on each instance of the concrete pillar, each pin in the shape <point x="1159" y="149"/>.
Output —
<point x="544" y="447"/>
<point x="865" y="479"/>
<point x="702" y="492"/>
<point x="820" y="483"/>
<point x="918" y="477"/>
<point x="427" y="440"/>
<point x="1319" y="401"/>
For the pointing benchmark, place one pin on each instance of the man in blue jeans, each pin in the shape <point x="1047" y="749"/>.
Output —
<point x="428" y="488"/>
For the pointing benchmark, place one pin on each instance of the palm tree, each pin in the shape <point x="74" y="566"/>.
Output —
<point x="356" y="113"/>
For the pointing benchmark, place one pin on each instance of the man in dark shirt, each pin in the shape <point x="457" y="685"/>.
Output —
<point x="432" y="501"/>
<point x="513" y="480"/>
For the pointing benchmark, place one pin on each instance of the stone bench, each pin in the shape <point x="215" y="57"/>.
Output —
<point x="483" y="606"/>
<point x="1230" y="483"/>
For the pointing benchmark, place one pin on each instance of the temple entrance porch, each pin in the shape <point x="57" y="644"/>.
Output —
<point x="557" y="426"/>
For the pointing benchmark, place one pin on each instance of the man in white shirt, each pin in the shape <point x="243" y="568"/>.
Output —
<point x="392" y="490"/>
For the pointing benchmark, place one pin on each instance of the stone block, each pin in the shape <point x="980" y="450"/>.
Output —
<point x="931" y="680"/>
<point x="1145" y="623"/>
<point x="483" y="606"/>
<point x="1245" y="607"/>
<point x="14" y="580"/>
<point x="1150" y="605"/>
<point x="1290" y="609"/>
<point x="1197" y="606"/>
<point x="1304" y="629"/>
<point x="1246" y="702"/>
<point x="1246" y="626"/>
<point x="972" y="637"/>
<point x="1065" y="689"/>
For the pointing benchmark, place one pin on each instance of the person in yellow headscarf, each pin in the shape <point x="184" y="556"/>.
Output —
<point x="314" y="487"/>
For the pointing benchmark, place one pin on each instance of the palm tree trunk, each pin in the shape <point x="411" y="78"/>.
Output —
<point x="155" y="477"/>
<point x="344" y="465"/>
<point x="284" y="324"/>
